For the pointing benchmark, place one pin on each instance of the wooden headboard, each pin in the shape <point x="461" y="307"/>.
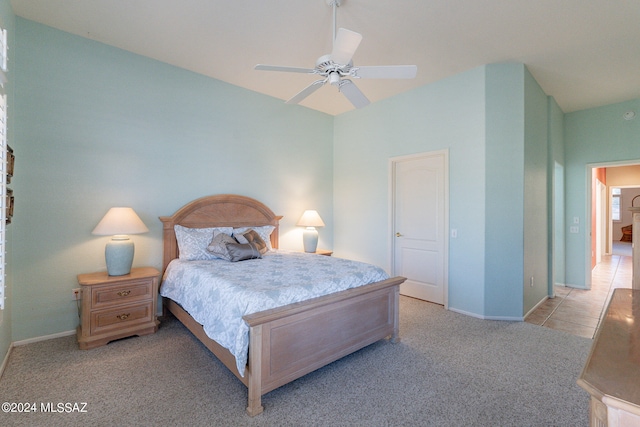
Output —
<point x="223" y="210"/>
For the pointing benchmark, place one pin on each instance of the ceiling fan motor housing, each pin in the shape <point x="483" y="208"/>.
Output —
<point x="324" y="66"/>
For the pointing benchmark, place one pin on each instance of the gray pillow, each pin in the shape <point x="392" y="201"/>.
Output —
<point x="218" y="247"/>
<point x="251" y="236"/>
<point x="242" y="251"/>
<point x="264" y="232"/>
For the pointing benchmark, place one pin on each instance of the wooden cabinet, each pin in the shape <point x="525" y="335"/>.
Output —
<point x="116" y="307"/>
<point x="612" y="372"/>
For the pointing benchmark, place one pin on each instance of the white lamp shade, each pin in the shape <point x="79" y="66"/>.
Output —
<point x="120" y="221"/>
<point x="310" y="218"/>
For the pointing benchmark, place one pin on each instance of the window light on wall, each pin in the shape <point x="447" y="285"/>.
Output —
<point x="616" y="194"/>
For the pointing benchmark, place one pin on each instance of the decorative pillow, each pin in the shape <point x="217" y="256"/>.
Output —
<point x="264" y="232"/>
<point x="193" y="242"/>
<point x="242" y="251"/>
<point x="218" y="245"/>
<point x="252" y="236"/>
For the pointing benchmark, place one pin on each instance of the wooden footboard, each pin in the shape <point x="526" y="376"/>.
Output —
<point x="288" y="342"/>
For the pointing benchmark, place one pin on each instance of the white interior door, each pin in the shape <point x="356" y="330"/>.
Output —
<point x="419" y="187"/>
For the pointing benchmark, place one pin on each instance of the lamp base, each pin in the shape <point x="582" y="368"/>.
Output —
<point x="310" y="239"/>
<point x="119" y="255"/>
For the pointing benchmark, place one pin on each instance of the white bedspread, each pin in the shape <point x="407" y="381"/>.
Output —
<point x="218" y="293"/>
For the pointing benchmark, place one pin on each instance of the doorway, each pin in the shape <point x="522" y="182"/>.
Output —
<point x="609" y="181"/>
<point x="419" y="224"/>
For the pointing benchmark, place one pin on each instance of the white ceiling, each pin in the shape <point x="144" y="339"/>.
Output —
<point x="585" y="53"/>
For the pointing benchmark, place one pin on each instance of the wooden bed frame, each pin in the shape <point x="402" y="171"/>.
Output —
<point x="287" y="342"/>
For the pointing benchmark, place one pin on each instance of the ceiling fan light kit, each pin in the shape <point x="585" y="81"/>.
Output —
<point x="334" y="68"/>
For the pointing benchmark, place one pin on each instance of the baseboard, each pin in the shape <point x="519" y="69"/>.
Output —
<point x="542" y="301"/>
<point x="479" y="316"/>
<point x="5" y="360"/>
<point x="569" y="285"/>
<point x="505" y="318"/>
<point x="44" y="338"/>
<point x="31" y="341"/>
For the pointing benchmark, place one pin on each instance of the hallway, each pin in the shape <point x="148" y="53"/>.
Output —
<point x="578" y="311"/>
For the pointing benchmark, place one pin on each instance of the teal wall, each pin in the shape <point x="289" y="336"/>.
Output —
<point x="594" y="136"/>
<point x="536" y="208"/>
<point x="98" y="127"/>
<point x="517" y="202"/>
<point x="556" y="196"/>
<point x="493" y="121"/>
<point x="7" y="20"/>
<point x="448" y="114"/>
<point x="95" y="127"/>
<point x="504" y="175"/>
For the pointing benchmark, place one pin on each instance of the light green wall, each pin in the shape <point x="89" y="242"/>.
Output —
<point x="98" y="127"/>
<point x="7" y="20"/>
<point x="536" y="208"/>
<point x="556" y="196"/>
<point x="504" y="175"/>
<point x="448" y="114"/>
<point x="517" y="207"/>
<point x="592" y="137"/>
<point x="493" y="121"/>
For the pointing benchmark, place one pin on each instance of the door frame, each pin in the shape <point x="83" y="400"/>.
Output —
<point x="600" y="220"/>
<point x="392" y="220"/>
<point x="587" y="212"/>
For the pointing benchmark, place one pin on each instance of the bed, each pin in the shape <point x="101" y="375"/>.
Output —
<point x="289" y="341"/>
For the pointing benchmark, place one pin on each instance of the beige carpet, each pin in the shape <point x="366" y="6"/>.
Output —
<point x="448" y="370"/>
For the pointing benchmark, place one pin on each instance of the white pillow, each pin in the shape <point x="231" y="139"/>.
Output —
<point x="264" y="232"/>
<point x="193" y="242"/>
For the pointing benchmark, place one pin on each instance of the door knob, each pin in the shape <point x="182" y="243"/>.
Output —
<point x="398" y="235"/>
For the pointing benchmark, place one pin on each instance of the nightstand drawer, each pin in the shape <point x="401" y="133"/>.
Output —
<point x="132" y="291"/>
<point x="121" y="317"/>
<point x="115" y="307"/>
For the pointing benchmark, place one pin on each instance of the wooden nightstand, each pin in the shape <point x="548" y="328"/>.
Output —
<point x="116" y="307"/>
<point x="324" y="252"/>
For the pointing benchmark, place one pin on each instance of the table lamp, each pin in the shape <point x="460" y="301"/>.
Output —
<point x="311" y="220"/>
<point x="119" y="222"/>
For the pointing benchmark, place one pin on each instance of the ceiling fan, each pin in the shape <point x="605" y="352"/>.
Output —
<point x="337" y="67"/>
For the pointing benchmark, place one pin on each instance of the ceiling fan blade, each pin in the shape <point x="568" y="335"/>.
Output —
<point x="306" y="92"/>
<point x="386" y="72"/>
<point x="353" y="94"/>
<point x="262" y="67"/>
<point x="345" y="45"/>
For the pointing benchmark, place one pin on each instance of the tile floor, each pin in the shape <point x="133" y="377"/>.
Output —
<point x="578" y="311"/>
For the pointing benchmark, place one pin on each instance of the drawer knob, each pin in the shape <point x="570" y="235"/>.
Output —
<point x="123" y="316"/>
<point x="124" y="293"/>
